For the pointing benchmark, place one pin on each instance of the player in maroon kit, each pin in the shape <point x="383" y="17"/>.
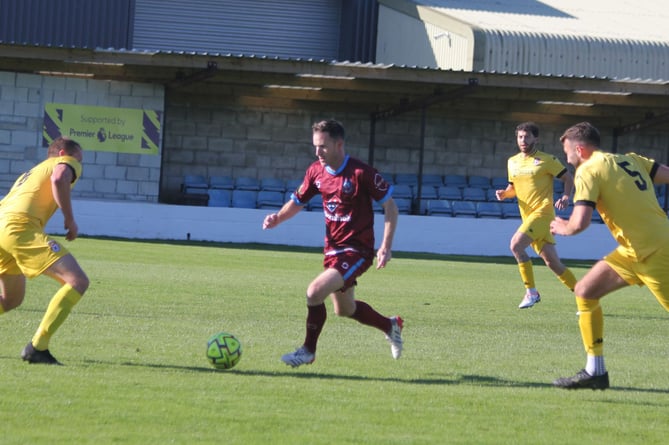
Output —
<point x="347" y="187"/>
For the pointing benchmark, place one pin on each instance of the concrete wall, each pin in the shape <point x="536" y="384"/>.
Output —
<point x="431" y="234"/>
<point x="106" y="175"/>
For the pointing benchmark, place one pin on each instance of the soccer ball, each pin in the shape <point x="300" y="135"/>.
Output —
<point x="223" y="350"/>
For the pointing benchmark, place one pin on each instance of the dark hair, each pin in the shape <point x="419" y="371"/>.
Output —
<point x="583" y="132"/>
<point x="63" y="143"/>
<point x="528" y="126"/>
<point x="330" y="126"/>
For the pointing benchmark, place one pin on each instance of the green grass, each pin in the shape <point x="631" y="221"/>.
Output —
<point x="476" y="370"/>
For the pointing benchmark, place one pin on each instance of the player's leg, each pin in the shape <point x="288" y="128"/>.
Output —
<point x="326" y="283"/>
<point x="65" y="270"/>
<point x="12" y="291"/>
<point x="550" y="256"/>
<point x="600" y="280"/>
<point x="518" y="245"/>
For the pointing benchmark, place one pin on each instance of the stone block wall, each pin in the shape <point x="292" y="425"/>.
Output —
<point x="114" y="176"/>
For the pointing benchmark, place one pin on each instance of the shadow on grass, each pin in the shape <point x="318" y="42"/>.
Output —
<point x="465" y="380"/>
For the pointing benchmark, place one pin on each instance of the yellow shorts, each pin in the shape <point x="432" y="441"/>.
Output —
<point x="651" y="272"/>
<point x="538" y="227"/>
<point x="26" y="249"/>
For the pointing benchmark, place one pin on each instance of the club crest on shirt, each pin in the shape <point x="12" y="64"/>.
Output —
<point x="331" y="206"/>
<point x="537" y="161"/>
<point x="347" y="187"/>
<point x="54" y="246"/>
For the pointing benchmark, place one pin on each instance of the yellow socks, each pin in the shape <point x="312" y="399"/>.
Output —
<point x="568" y="279"/>
<point x="527" y="274"/>
<point x="591" y="323"/>
<point x="58" y="310"/>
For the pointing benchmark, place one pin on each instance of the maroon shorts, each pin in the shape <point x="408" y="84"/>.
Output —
<point x="350" y="264"/>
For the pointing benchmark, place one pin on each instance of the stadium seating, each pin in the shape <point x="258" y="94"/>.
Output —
<point x="194" y="182"/>
<point x="219" y="197"/>
<point x="474" y="194"/>
<point x="478" y="181"/>
<point x="403" y="205"/>
<point x="455" y="180"/>
<point x="221" y="182"/>
<point x="245" y="199"/>
<point x="270" y="199"/>
<point x="428" y="192"/>
<point x="273" y="184"/>
<point x="439" y="207"/>
<point x="464" y="208"/>
<point x="403" y="191"/>
<point x="247" y="183"/>
<point x="433" y="180"/>
<point x="510" y="210"/>
<point x="450" y="192"/>
<point x="409" y="179"/>
<point x="488" y="209"/>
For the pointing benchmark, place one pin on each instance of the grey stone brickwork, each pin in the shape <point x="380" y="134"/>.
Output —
<point x="113" y="176"/>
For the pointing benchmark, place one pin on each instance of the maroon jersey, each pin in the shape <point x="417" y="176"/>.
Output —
<point x="347" y="203"/>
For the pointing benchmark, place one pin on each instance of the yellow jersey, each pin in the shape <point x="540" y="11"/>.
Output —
<point x="620" y="186"/>
<point x="532" y="178"/>
<point x="31" y="196"/>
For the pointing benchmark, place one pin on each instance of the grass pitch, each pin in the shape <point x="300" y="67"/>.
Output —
<point x="476" y="370"/>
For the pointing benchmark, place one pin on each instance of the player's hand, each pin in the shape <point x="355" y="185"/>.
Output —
<point x="562" y="203"/>
<point x="500" y="195"/>
<point x="72" y="230"/>
<point x="270" y="221"/>
<point x="383" y="256"/>
<point x="558" y="226"/>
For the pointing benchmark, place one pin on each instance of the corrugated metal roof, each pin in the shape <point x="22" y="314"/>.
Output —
<point x="622" y="39"/>
<point x="642" y="20"/>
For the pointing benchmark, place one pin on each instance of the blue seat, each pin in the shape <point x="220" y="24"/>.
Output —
<point x="479" y="181"/>
<point x="439" y="207"/>
<point x="558" y="186"/>
<point x="270" y="199"/>
<point x="491" y="194"/>
<point x="219" y="197"/>
<point x="499" y="182"/>
<point x="565" y="213"/>
<point x="464" y="208"/>
<point x="247" y="183"/>
<point x="474" y="194"/>
<point x="245" y="199"/>
<point x="428" y="192"/>
<point x="389" y="177"/>
<point x="410" y="179"/>
<point x="376" y="207"/>
<point x="403" y="191"/>
<point x="510" y="210"/>
<point x="194" y="182"/>
<point x="272" y="184"/>
<point x="293" y="184"/>
<point x="433" y="180"/>
<point x="450" y="192"/>
<point x="403" y="205"/>
<point x="488" y="210"/>
<point x="455" y="180"/>
<point x="221" y="182"/>
<point x="195" y="190"/>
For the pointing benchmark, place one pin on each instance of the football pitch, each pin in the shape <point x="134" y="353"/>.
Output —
<point x="475" y="369"/>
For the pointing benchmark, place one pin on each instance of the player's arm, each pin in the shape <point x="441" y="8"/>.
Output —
<point x="568" y="181"/>
<point x="61" y="187"/>
<point x="577" y="222"/>
<point x="286" y="212"/>
<point x="390" y="215"/>
<point x="661" y="175"/>
<point x="508" y="193"/>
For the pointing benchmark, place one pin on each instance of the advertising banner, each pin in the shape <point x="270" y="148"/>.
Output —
<point x="122" y="130"/>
